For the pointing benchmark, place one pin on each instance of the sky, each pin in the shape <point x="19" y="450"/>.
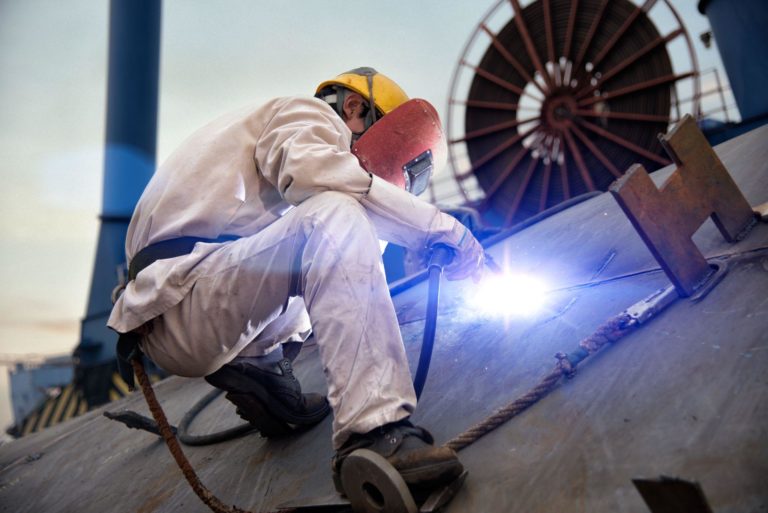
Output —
<point x="215" y="57"/>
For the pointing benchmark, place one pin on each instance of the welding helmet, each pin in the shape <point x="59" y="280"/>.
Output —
<point x="405" y="147"/>
<point x="382" y="94"/>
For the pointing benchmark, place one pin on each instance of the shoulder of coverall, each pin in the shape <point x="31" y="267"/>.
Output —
<point x="307" y="102"/>
<point x="292" y="107"/>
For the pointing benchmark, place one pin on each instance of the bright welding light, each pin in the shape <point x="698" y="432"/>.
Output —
<point x="509" y="295"/>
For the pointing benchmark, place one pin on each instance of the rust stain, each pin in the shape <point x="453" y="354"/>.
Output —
<point x="153" y="502"/>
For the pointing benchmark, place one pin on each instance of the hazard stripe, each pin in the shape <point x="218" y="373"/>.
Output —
<point x="30" y="424"/>
<point x="120" y="385"/>
<point x="61" y="401"/>
<point x="73" y="401"/>
<point x="45" y="417"/>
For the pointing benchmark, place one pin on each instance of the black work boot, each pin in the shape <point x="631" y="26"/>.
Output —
<point x="269" y="396"/>
<point x="410" y="450"/>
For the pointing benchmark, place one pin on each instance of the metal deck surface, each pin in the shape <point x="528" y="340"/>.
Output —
<point x="685" y="395"/>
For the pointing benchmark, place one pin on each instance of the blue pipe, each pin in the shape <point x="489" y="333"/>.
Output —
<point x="129" y="161"/>
<point x="132" y="99"/>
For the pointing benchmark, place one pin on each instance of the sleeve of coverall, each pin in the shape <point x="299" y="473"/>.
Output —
<point x="305" y="151"/>
<point x="404" y="219"/>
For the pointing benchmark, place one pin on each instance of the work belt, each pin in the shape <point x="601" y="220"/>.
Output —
<point x="128" y="343"/>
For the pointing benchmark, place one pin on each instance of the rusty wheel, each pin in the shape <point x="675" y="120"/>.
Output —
<point x="566" y="96"/>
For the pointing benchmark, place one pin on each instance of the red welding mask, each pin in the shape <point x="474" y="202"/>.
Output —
<point x="405" y="146"/>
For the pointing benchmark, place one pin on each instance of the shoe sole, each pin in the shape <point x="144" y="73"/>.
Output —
<point x="434" y="475"/>
<point x="243" y="385"/>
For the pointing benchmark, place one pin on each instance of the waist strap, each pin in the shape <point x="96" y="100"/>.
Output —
<point x="168" y="249"/>
<point x="128" y="343"/>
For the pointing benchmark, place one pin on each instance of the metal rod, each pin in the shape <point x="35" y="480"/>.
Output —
<point x="548" y="30"/>
<point x="579" y="160"/>
<point x="648" y="5"/>
<point x="628" y="62"/>
<point x="618" y="35"/>
<point x="449" y="119"/>
<point x="590" y="35"/>
<point x="631" y="116"/>
<point x="494" y="128"/>
<point x="694" y="63"/>
<point x="596" y="151"/>
<point x="488" y="156"/>
<point x="623" y="142"/>
<point x="634" y="88"/>
<point x="520" y="22"/>
<point x="521" y="191"/>
<point x="511" y="59"/>
<point x="564" y="178"/>
<point x="569" y="30"/>
<point x="545" y="185"/>
<point x="479" y="104"/>
<point x="502" y="177"/>
<point x="500" y="81"/>
<point x="551" y="43"/>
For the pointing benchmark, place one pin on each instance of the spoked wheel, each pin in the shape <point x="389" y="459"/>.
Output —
<point x="567" y="95"/>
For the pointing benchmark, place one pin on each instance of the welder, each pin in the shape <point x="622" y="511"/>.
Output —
<point x="263" y="228"/>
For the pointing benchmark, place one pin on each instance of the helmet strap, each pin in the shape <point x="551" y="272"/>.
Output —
<point x="370" y="118"/>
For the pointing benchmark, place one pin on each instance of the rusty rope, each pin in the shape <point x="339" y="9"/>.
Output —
<point x="204" y="493"/>
<point x="609" y="332"/>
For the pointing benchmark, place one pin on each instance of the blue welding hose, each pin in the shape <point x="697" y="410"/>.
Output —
<point x="441" y="256"/>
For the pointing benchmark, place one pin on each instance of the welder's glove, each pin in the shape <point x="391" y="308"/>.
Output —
<point x="402" y="218"/>
<point x="468" y="258"/>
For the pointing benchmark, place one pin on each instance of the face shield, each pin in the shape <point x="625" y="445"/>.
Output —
<point x="405" y="147"/>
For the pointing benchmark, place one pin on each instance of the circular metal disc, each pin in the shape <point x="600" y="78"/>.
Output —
<point x="568" y="95"/>
<point x="373" y="485"/>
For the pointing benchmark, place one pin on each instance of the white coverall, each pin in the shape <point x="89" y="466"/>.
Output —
<point x="281" y="177"/>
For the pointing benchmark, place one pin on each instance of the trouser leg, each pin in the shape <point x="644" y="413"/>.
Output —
<point x="325" y="250"/>
<point x="291" y="326"/>
<point x="355" y="325"/>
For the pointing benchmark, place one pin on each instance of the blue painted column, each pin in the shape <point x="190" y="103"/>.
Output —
<point x="131" y="139"/>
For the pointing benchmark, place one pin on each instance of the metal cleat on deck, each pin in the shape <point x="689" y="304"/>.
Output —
<point x="667" y="217"/>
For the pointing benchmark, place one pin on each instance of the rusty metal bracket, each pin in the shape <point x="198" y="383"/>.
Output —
<point x="672" y="495"/>
<point x="666" y="218"/>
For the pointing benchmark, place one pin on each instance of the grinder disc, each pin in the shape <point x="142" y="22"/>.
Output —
<point x="373" y="485"/>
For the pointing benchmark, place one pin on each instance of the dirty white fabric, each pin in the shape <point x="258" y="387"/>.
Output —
<point x="281" y="176"/>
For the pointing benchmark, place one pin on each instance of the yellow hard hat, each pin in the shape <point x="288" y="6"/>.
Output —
<point x="371" y="85"/>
